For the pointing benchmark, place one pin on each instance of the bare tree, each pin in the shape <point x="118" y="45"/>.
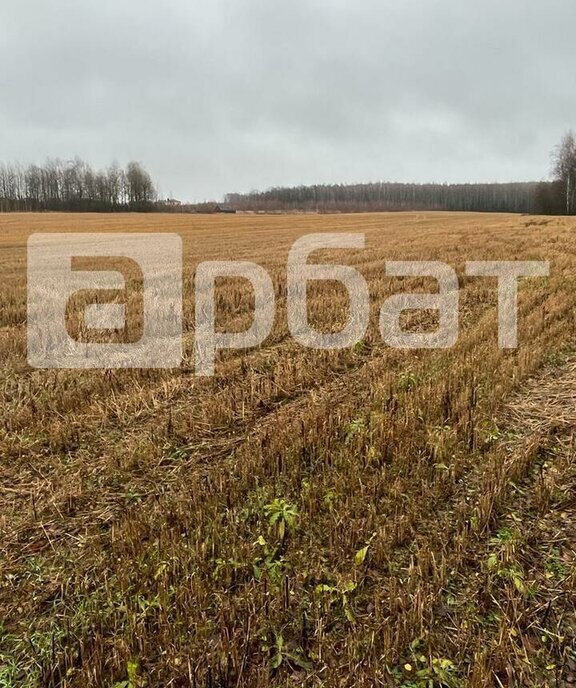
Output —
<point x="140" y="186"/>
<point x="116" y="184"/>
<point x="565" y="169"/>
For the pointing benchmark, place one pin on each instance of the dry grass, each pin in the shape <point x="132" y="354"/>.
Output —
<point x="368" y="517"/>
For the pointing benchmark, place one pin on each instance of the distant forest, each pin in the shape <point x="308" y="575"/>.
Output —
<point x="538" y="198"/>
<point x="75" y="186"/>
<point x="541" y="198"/>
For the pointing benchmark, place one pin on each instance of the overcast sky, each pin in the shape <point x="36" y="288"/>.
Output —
<point x="230" y="95"/>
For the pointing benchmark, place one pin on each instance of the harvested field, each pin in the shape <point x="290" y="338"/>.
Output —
<point x="367" y="517"/>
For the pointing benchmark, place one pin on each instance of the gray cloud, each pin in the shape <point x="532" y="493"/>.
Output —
<point x="219" y="96"/>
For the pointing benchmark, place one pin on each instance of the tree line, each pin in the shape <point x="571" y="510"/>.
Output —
<point x="75" y="186"/>
<point x="382" y="196"/>
<point x="557" y="197"/>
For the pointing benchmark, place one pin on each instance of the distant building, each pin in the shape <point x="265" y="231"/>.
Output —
<point x="173" y="202"/>
<point x="212" y="208"/>
<point x="224" y="209"/>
